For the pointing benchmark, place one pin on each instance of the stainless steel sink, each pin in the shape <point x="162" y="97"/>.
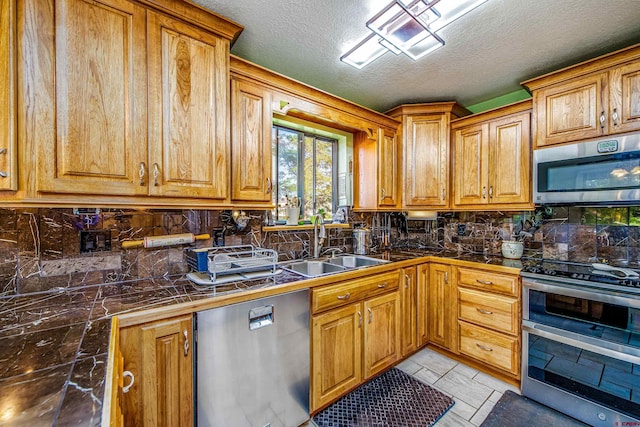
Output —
<point x="309" y="268"/>
<point x="355" y="261"/>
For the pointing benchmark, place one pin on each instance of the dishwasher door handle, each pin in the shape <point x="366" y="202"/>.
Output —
<point x="260" y="317"/>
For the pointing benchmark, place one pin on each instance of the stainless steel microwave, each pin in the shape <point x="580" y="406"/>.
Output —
<point x="604" y="171"/>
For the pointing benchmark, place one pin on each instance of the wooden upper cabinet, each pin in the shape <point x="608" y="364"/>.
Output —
<point x="188" y="115"/>
<point x="251" y="124"/>
<point x="510" y="157"/>
<point x="471" y="171"/>
<point x="387" y="169"/>
<point x="595" y="98"/>
<point x="426" y="160"/>
<point x="571" y="111"/>
<point x="425" y="152"/>
<point x="87" y="87"/>
<point x="492" y="165"/>
<point x="624" y="98"/>
<point x="8" y="154"/>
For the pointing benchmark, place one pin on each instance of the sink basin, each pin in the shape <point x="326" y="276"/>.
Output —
<point x="310" y="268"/>
<point x="355" y="261"/>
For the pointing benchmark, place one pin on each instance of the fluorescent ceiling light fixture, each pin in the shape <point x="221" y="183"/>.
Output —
<point x="407" y="26"/>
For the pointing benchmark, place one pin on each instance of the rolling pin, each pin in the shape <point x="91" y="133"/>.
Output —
<point x="169" y="240"/>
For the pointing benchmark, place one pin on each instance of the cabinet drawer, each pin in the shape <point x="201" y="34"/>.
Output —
<point x="488" y="281"/>
<point x="493" y="348"/>
<point x="328" y="297"/>
<point x="492" y="311"/>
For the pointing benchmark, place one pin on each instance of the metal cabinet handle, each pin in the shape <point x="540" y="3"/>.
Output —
<point x="484" y="282"/>
<point x="3" y="174"/>
<point x="446" y="277"/>
<point x="370" y="315"/>
<point x="383" y="194"/>
<point x="186" y="343"/>
<point x="3" y="151"/>
<point x="603" y="118"/>
<point x="269" y="186"/>
<point x="407" y="280"/>
<point x="615" y="116"/>
<point x="491" y="191"/>
<point x="444" y="194"/>
<point x="360" y="321"/>
<point x="156" y="173"/>
<point x="345" y="296"/>
<point x="482" y="347"/>
<point x="484" y="192"/>
<point x="142" y="172"/>
<point x="484" y="311"/>
<point x="382" y="285"/>
<point x="128" y="374"/>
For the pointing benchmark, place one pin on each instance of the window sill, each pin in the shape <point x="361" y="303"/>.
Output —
<point x="269" y="228"/>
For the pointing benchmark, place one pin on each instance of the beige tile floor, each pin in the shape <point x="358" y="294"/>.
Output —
<point x="474" y="392"/>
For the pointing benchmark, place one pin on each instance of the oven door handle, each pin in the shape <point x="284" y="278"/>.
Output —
<point x="595" y="345"/>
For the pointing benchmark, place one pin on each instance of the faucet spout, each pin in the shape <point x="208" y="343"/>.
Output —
<point x="319" y="234"/>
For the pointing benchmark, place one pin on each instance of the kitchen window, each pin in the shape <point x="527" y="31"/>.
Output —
<point x="307" y="170"/>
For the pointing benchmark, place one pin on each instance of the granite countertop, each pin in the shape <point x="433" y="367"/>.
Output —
<point x="53" y="346"/>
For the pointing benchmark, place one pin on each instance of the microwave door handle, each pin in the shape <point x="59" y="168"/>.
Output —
<point x="595" y="345"/>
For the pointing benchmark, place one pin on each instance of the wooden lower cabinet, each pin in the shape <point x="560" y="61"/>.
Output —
<point x="353" y="342"/>
<point x="112" y="405"/>
<point x="408" y="311"/>
<point x="160" y="357"/>
<point x="422" y="296"/>
<point x="441" y="308"/>
<point x="489" y="318"/>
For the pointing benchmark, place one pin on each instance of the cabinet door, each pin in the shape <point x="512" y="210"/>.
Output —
<point x="387" y="170"/>
<point x="471" y="165"/>
<point x="423" y="304"/>
<point x="159" y="355"/>
<point x="624" y="98"/>
<point x="336" y="348"/>
<point x="426" y="161"/>
<point x="86" y="91"/>
<point x="381" y="333"/>
<point x="409" y="306"/>
<point x="8" y="176"/>
<point x="188" y="116"/>
<point x="442" y="313"/>
<point x="251" y="119"/>
<point x="112" y="405"/>
<point x="167" y="372"/>
<point x="571" y="111"/>
<point x="510" y="160"/>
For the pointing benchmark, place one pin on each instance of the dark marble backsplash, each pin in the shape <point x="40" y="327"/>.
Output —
<point x="40" y="247"/>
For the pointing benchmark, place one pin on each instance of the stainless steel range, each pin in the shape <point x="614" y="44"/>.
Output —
<point x="581" y="341"/>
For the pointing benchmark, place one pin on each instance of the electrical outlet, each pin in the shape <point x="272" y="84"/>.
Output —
<point x="462" y="229"/>
<point x="217" y="235"/>
<point x="95" y="241"/>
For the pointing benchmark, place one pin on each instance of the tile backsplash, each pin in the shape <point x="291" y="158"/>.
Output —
<point x="40" y="247"/>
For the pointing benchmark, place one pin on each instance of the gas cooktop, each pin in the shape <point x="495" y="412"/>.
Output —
<point x="595" y="274"/>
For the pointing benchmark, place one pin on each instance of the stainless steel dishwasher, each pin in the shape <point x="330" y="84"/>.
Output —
<point x="252" y="362"/>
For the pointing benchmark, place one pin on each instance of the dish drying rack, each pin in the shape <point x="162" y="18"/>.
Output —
<point x="230" y="263"/>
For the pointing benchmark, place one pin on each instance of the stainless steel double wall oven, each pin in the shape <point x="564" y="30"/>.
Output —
<point x="581" y="341"/>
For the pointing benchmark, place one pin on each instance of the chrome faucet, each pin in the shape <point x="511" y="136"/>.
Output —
<point x="319" y="234"/>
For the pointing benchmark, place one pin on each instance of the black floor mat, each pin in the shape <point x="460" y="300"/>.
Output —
<point x="392" y="399"/>
<point x="515" y="410"/>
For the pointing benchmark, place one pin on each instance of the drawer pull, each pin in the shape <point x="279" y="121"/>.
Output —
<point x="483" y="347"/>
<point x="484" y="282"/>
<point x="382" y="285"/>
<point x="345" y="296"/>
<point x="484" y="311"/>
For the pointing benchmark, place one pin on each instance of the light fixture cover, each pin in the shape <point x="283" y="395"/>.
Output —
<point x="408" y="26"/>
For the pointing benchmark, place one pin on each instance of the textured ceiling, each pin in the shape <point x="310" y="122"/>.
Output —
<point x="488" y="52"/>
